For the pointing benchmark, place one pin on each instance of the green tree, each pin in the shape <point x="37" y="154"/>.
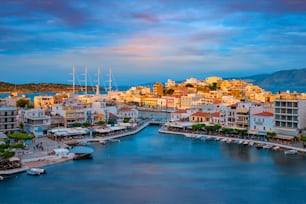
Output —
<point x="76" y="125"/>
<point x="20" y="136"/>
<point x="22" y="103"/>
<point x="101" y="122"/>
<point x="126" y="120"/>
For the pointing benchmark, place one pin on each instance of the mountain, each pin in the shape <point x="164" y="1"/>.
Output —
<point x="293" y="80"/>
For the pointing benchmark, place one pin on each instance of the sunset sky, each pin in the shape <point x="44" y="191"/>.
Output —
<point x="145" y="41"/>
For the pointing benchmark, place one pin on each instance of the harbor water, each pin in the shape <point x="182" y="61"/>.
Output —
<point x="150" y="167"/>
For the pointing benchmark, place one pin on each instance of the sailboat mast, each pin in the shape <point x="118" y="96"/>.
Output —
<point x="98" y="85"/>
<point x="85" y="80"/>
<point x="110" y="81"/>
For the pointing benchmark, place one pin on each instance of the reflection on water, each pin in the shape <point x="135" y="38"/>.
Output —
<point x="156" y="168"/>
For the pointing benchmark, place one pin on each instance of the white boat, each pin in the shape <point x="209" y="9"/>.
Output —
<point x="291" y="152"/>
<point x="36" y="171"/>
<point x="267" y="147"/>
<point x="114" y="140"/>
<point x="1" y="178"/>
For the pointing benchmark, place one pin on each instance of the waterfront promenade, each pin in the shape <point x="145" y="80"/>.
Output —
<point x="219" y="137"/>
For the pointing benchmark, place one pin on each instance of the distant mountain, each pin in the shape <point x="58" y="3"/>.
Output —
<point x="293" y="80"/>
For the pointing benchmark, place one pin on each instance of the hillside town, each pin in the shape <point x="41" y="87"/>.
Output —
<point x="229" y="105"/>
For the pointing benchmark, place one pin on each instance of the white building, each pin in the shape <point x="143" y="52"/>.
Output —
<point x="261" y="123"/>
<point x="35" y="121"/>
<point x="128" y="112"/>
<point x="290" y="116"/>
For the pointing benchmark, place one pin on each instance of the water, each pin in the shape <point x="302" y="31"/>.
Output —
<point x="157" y="168"/>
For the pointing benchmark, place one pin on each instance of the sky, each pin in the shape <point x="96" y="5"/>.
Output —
<point x="146" y="41"/>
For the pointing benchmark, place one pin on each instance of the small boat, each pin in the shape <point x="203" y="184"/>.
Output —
<point x="290" y="152"/>
<point x="32" y="172"/>
<point x="102" y="142"/>
<point x="259" y="146"/>
<point x="114" y="140"/>
<point x="267" y="147"/>
<point x="276" y="148"/>
<point x="251" y="143"/>
<point x="1" y="178"/>
<point x="245" y="143"/>
<point x="39" y="170"/>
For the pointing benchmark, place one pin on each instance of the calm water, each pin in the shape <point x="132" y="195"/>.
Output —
<point x="156" y="168"/>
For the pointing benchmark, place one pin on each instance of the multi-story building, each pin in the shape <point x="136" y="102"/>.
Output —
<point x="290" y="115"/>
<point x="8" y="121"/>
<point x="43" y="102"/>
<point x="158" y="89"/>
<point x="35" y="121"/>
<point x="128" y="112"/>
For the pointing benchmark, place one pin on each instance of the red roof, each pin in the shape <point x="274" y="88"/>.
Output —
<point x="110" y="114"/>
<point x="217" y="101"/>
<point x="181" y="111"/>
<point x="125" y="109"/>
<point x="266" y="114"/>
<point x="216" y="114"/>
<point x="201" y="114"/>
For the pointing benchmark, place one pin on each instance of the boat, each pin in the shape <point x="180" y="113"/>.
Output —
<point x="39" y="170"/>
<point x="276" y="148"/>
<point x="1" y="178"/>
<point x="114" y="140"/>
<point x="267" y="147"/>
<point x="102" y="142"/>
<point x="290" y="152"/>
<point x="259" y="146"/>
<point x="32" y="172"/>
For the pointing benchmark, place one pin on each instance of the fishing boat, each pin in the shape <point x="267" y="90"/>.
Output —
<point x="39" y="170"/>
<point x="276" y="148"/>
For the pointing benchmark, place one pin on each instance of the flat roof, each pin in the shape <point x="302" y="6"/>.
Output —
<point x="6" y="108"/>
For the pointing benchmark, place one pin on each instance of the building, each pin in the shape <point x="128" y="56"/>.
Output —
<point x="35" y="121"/>
<point x="128" y="112"/>
<point x="158" y="89"/>
<point x="290" y="116"/>
<point x="261" y="123"/>
<point x="8" y="121"/>
<point x="43" y="102"/>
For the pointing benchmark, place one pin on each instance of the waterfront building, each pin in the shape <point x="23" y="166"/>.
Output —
<point x="261" y="123"/>
<point x="216" y="118"/>
<point x="158" y="89"/>
<point x="180" y="115"/>
<point x="242" y="114"/>
<point x="57" y="121"/>
<point x="128" y="112"/>
<point x="290" y="115"/>
<point x="43" y="102"/>
<point x="231" y="115"/>
<point x="35" y="121"/>
<point x="8" y="121"/>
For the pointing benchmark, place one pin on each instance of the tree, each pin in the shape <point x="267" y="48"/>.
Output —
<point x="22" y="103"/>
<point x="189" y="85"/>
<point x="76" y="125"/>
<point x="170" y="91"/>
<point x="20" y="136"/>
<point x="126" y="120"/>
<point x="101" y="122"/>
<point x="21" y="125"/>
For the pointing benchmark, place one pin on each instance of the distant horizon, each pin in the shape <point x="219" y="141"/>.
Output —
<point x="68" y="81"/>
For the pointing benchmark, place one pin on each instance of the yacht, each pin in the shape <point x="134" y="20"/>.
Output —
<point x="291" y="152"/>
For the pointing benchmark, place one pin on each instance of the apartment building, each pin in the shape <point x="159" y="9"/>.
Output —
<point x="8" y="121"/>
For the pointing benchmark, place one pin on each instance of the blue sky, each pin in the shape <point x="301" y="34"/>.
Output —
<point x="145" y="41"/>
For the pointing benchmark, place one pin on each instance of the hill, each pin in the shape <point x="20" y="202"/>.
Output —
<point x="39" y="87"/>
<point x="293" y="80"/>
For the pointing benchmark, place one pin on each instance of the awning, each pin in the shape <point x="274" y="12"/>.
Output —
<point x="284" y="137"/>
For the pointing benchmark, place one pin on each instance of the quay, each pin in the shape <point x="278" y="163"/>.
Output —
<point x="217" y="137"/>
<point x="104" y="139"/>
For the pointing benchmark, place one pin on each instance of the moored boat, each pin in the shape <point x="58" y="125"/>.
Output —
<point x="276" y="148"/>
<point x="290" y="152"/>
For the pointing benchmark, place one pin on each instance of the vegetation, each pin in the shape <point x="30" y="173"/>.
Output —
<point x="213" y="87"/>
<point x="271" y="134"/>
<point x="22" y="103"/>
<point x="170" y="91"/>
<point x="189" y="85"/>
<point x="40" y="87"/>
<point x="6" y="154"/>
<point x="111" y="122"/>
<point x="198" y="126"/>
<point x="101" y="122"/>
<point x="20" y="136"/>
<point x="303" y="138"/>
<point x="126" y="120"/>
